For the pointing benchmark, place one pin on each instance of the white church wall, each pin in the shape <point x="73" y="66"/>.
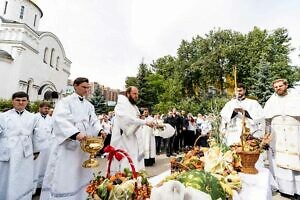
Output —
<point x="28" y="71"/>
<point x="31" y="13"/>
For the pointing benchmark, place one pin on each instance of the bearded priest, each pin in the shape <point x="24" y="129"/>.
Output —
<point x="232" y="116"/>
<point x="127" y="133"/>
<point x="282" y="111"/>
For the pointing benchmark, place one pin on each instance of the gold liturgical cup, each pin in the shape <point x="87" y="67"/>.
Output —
<point x="91" y="145"/>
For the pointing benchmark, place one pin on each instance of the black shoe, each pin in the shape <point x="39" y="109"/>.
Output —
<point x="168" y="155"/>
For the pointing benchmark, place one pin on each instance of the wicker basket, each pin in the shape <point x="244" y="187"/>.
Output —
<point x="178" y="167"/>
<point x="249" y="159"/>
<point x="119" y="154"/>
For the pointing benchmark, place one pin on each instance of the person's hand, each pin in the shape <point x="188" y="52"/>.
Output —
<point x="80" y="136"/>
<point x="150" y="124"/>
<point x="102" y="133"/>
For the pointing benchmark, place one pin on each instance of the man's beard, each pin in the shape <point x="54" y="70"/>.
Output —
<point x="281" y="93"/>
<point x="131" y="100"/>
<point x="241" y="97"/>
<point x="44" y="113"/>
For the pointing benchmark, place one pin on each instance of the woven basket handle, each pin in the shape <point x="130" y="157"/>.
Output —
<point x="124" y="153"/>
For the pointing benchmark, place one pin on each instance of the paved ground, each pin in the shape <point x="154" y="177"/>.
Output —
<point x="161" y="165"/>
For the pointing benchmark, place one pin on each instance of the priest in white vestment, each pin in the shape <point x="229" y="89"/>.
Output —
<point x="282" y="112"/>
<point x="127" y="131"/>
<point x="74" y="119"/>
<point x="20" y="142"/>
<point x="149" y="140"/>
<point x="44" y="125"/>
<point x="231" y="125"/>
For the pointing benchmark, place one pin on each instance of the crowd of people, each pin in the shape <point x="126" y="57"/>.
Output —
<point x="42" y="150"/>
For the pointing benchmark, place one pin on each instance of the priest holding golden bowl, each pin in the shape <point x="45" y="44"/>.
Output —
<point x="74" y="121"/>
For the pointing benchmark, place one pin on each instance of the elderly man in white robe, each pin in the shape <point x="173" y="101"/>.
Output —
<point x="282" y="112"/>
<point x="45" y="125"/>
<point x="74" y="119"/>
<point x="127" y="131"/>
<point x="232" y="116"/>
<point x="149" y="140"/>
<point x="20" y="142"/>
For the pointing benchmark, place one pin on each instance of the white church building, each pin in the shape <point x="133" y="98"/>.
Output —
<point x="30" y="60"/>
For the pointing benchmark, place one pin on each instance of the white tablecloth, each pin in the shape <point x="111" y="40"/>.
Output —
<point x="258" y="186"/>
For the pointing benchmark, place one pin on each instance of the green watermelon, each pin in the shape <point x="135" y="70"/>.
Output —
<point x="202" y="181"/>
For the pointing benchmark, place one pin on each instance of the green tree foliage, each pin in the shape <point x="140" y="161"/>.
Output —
<point x="130" y="81"/>
<point x="141" y="83"/>
<point x="262" y="89"/>
<point x="207" y="62"/>
<point x="98" y="101"/>
<point x="31" y="107"/>
<point x="5" y="104"/>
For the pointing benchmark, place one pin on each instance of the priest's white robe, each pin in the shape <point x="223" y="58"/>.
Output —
<point x="19" y="139"/>
<point x="127" y="134"/>
<point x="232" y="127"/>
<point x="40" y="164"/>
<point x="65" y="178"/>
<point x="283" y="117"/>
<point x="149" y="140"/>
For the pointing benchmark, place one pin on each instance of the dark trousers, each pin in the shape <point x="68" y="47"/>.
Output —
<point x="189" y="138"/>
<point x="170" y="142"/>
<point x="106" y="143"/>
<point x="158" y="141"/>
<point x="176" y="142"/>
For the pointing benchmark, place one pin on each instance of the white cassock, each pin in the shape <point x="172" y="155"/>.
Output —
<point x="149" y="140"/>
<point x="40" y="164"/>
<point x="127" y="134"/>
<point x="65" y="178"/>
<point x="19" y="139"/>
<point x="283" y="114"/>
<point x="232" y="127"/>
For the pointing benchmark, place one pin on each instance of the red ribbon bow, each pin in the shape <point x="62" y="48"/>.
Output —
<point x="113" y="153"/>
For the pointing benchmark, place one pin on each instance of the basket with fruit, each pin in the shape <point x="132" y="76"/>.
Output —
<point x="250" y="148"/>
<point x="190" y="160"/>
<point x="127" y="185"/>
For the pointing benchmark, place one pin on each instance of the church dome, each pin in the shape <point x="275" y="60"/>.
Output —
<point x="22" y="11"/>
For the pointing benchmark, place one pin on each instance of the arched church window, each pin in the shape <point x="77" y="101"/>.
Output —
<point x="22" y="12"/>
<point x="57" y="63"/>
<point x="34" y="22"/>
<point x="52" y="58"/>
<point x="46" y="55"/>
<point x="5" y="7"/>
<point x="29" y="87"/>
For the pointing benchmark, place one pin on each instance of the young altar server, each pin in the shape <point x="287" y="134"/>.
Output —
<point x="20" y="142"/>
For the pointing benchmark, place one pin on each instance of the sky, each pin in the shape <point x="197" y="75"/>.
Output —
<point x="106" y="40"/>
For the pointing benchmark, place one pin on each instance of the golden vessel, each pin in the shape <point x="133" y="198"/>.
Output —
<point x="91" y="145"/>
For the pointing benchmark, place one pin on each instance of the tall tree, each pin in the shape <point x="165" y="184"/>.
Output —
<point x="130" y="81"/>
<point x="262" y="89"/>
<point x="145" y="99"/>
<point x="98" y="101"/>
